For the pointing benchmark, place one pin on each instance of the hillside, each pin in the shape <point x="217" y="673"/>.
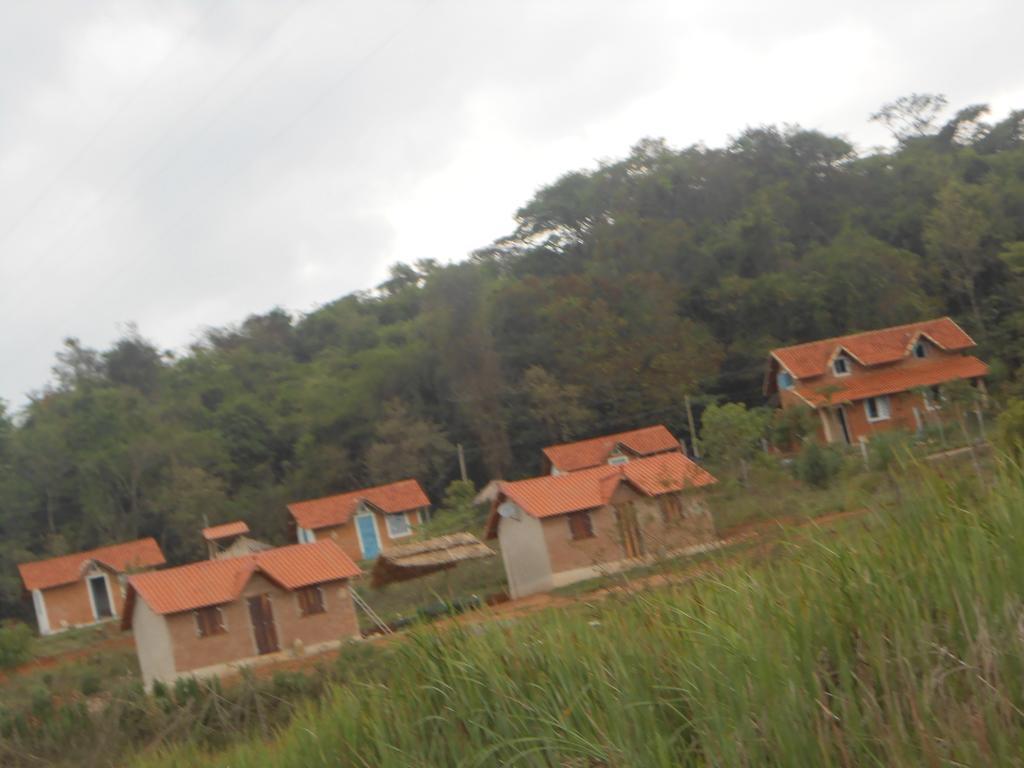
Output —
<point x="622" y="289"/>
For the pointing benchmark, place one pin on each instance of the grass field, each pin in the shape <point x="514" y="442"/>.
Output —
<point x="895" y="641"/>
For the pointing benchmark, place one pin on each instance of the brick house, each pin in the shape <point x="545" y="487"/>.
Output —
<point x="86" y="587"/>
<point x="210" y="617"/>
<point x="558" y="529"/>
<point x="366" y="522"/>
<point x="609" y="449"/>
<point x="875" y="381"/>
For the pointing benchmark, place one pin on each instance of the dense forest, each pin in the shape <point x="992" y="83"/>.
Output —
<point x="622" y="290"/>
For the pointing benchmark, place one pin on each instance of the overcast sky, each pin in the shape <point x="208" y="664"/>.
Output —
<point x="181" y="164"/>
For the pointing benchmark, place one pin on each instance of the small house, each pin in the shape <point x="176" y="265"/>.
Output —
<point x="554" y="530"/>
<point x="366" y="522"/>
<point x="609" y="449"/>
<point x="86" y="587"/>
<point x="866" y="383"/>
<point x="231" y="540"/>
<point x="211" y="617"/>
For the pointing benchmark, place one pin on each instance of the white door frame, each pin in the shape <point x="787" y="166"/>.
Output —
<point x="42" y="618"/>
<point x="92" y="600"/>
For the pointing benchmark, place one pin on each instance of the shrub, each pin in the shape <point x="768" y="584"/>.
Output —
<point x="15" y="644"/>
<point x="887" y="449"/>
<point x="818" y="465"/>
<point x="1010" y="429"/>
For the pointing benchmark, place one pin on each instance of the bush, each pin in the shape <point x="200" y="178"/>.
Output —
<point x="818" y="465"/>
<point x="15" y="645"/>
<point x="1010" y="429"/>
<point x="887" y="449"/>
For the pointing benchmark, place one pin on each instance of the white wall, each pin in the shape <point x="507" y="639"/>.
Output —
<point x="524" y="550"/>
<point x="152" y="644"/>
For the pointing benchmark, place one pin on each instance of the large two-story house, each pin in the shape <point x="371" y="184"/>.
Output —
<point x="874" y="381"/>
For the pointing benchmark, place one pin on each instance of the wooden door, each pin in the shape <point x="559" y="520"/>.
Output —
<point x="629" y="529"/>
<point x="262" y="615"/>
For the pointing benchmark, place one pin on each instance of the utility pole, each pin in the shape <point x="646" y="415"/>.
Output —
<point x="693" y="429"/>
<point x="462" y="463"/>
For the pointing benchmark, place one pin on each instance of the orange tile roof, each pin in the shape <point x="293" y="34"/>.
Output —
<point x="551" y="495"/>
<point x="214" y="582"/>
<point x="67" y="569"/>
<point x="885" y="345"/>
<point x="890" y="380"/>
<point x="403" y="496"/>
<point x="225" y="530"/>
<point x="570" y="457"/>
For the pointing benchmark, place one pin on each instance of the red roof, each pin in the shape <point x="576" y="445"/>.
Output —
<point x="551" y="495"/>
<point x="886" y="345"/>
<point x="225" y="530"/>
<point x="214" y="582"/>
<point x="570" y="457"/>
<point x="67" y="569"/>
<point x="890" y="380"/>
<point x="403" y="496"/>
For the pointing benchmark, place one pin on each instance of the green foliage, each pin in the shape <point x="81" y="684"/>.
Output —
<point x="622" y="289"/>
<point x="889" y="450"/>
<point x="808" y="641"/>
<point x="791" y="426"/>
<point x="818" y="465"/>
<point x="731" y="434"/>
<point x="456" y="511"/>
<point x="1010" y="430"/>
<point x="15" y="644"/>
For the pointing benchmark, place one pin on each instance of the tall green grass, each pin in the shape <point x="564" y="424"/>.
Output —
<point x="897" y="641"/>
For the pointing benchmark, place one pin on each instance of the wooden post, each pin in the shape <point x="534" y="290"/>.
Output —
<point x="693" y="429"/>
<point x="462" y="464"/>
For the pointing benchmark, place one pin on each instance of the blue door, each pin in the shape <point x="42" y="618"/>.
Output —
<point x="367" y="528"/>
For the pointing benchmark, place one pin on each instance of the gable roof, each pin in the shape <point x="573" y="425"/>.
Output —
<point x="571" y="457"/>
<point x="885" y="345"/>
<point x="214" y="582"/>
<point x="225" y="530"/>
<point x="550" y="495"/>
<point x="67" y="569"/>
<point x="890" y="380"/>
<point x="403" y="496"/>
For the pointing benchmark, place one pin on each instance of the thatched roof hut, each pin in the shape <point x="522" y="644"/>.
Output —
<point x="411" y="561"/>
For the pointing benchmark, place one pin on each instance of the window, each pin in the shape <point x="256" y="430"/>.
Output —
<point x="210" y="621"/>
<point x="311" y="600"/>
<point x="932" y="397"/>
<point x="671" y="507"/>
<point x="841" y="366"/>
<point x="306" y="536"/>
<point x="580" y="525"/>
<point x="785" y="380"/>
<point x="877" y="408"/>
<point x="618" y="459"/>
<point x="920" y="350"/>
<point x="398" y="525"/>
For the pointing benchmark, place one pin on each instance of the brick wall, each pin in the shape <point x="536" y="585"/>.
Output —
<point x="69" y="606"/>
<point x="238" y="642"/>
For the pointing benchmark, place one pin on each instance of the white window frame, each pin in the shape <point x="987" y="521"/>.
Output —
<point x="883" y="408"/>
<point x="788" y="377"/>
<point x="390" y="518"/>
<point x="305" y="535"/>
<point x="846" y="364"/>
<point x="359" y="533"/>
<point x="92" y="600"/>
<point x="618" y="458"/>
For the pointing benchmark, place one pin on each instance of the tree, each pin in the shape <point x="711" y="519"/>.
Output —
<point x="911" y="116"/>
<point x="406" y="445"/>
<point x="556" y="406"/>
<point x="954" y="236"/>
<point x="963" y="398"/>
<point x="791" y="426"/>
<point x="731" y="434"/>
